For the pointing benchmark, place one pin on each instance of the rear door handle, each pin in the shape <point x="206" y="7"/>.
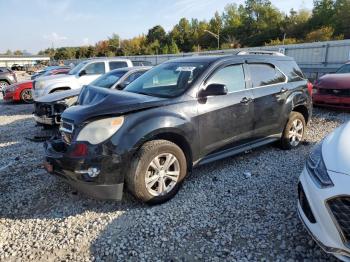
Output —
<point x="246" y="100"/>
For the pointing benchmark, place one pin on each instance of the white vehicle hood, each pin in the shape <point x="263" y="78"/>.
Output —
<point x="57" y="78"/>
<point x="336" y="150"/>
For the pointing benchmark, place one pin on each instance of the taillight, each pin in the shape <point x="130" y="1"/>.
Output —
<point x="79" y="150"/>
<point x="309" y="87"/>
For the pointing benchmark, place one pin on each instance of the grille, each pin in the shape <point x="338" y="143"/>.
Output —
<point x="42" y="109"/>
<point x="335" y="92"/>
<point x="340" y="208"/>
<point x="304" y="203"/>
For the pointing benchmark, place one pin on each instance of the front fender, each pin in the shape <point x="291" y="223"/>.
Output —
<point x="142" y="127"/>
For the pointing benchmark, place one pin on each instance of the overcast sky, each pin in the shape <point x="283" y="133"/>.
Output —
<point x="37" y="24"/>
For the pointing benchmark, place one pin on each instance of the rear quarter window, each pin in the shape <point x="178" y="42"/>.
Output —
<point x="265" y="74"/>
<point x="291" y="70"/>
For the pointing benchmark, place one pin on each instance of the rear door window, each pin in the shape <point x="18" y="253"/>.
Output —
<point x="231" y="76"/>
<point x="265" y="74"/>
<point x="117" y="64"/>
<point x="95" y="68"/>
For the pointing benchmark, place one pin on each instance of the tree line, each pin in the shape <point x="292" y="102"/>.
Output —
<point x="254" y="23"/>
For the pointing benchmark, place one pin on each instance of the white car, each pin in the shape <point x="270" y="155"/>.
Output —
<point x="324" y="193"/>
<point x="83" y="74"/>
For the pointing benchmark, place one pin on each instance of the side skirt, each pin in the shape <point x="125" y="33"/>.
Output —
<point x="237" y="150"/>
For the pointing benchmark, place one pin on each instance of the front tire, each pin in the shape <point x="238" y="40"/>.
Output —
<point x="157" y="172"/>
<point x="294" y="131"/>
<point x="26" y="96"/>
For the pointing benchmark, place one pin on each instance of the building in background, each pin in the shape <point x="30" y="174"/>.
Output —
<point x="22" y="60"/>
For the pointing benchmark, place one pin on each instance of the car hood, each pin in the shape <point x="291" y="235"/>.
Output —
<point x="334" y="81"/>
<point x="56" y="78"/>
<point x="58" y="96"/>
<point x="95" y="102"/>
<point x="336" y="150"/>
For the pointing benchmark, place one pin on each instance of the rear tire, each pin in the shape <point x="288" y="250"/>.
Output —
<point x="294" y="131"/>
<point x="26" y="96"/>
<point x="157" y="172"/>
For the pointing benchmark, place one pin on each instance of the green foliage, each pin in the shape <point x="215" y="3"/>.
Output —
<point x="254" y="23"/>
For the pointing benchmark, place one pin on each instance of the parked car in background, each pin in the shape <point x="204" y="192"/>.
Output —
<point x="178" y="115"/>
<point x="83" y="74"/>
<point x="19" y="92"/>
<point x="48" y="108"/>
<point x="51" y="70"/>
<point x="324" y="193"/>
<point x="7" y="77"/>
<point x="17" y="67"/>
<point x="141" y="63"/>
<point x="333" y="90"/>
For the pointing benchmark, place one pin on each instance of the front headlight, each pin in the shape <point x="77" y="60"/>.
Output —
<point x="39" y="85"/>
<point x="317" y="168"/>
<point x="100" y="130"/>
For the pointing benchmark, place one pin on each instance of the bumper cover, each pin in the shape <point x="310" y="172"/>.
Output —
<point x="331" y="101"/>
<point x="324" y="231"/>
<point x="107" y="185"/>
<point x="44" y="120"/>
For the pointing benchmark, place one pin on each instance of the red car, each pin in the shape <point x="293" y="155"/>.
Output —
<point x="333" y="90"/>
<point x="23" y="91"/>
<point x="19" y="92"/>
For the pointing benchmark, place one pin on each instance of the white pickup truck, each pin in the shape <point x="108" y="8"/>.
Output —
<point x="83" y="74"/>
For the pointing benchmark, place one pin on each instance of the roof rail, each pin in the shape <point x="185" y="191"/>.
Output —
<point x="260" y="52"/>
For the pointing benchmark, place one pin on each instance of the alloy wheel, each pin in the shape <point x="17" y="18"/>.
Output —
<point x="27" y="96"/>
<point x="296" y="132"/>
<point x="162" y="174"/>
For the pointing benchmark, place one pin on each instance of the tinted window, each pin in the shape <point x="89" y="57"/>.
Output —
<point x="344" y="69"/>
<point x="264" y="74"/>
<point x="95" y="68"/>
<point x="133" y="76"/>
<point x="231" y="76"/>
<point x="292" y="70"/>
<point x="108" y="80"/>
<point x="115" y="65"/>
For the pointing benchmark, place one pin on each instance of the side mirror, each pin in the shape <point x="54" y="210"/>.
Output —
<point x="82" y="73"/>
<point x="213" y="90"/>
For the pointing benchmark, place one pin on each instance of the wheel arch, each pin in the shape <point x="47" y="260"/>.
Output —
<point x="302" y="109"/>
<point x="173" y="136"/>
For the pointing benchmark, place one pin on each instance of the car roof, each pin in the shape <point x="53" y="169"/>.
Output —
<point x="107" y="59"/>
<point x="215" y="58"/>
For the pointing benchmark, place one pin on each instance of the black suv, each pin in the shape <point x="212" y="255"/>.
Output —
<point x="7" y="77"/>
<point x="181" y="114"/>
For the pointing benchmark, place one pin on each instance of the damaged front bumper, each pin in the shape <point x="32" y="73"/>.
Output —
<point x="106" y="183"/>
<point x="48" y="114"/>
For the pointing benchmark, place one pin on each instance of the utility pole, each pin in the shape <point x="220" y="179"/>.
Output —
<point x="217" y="36"/>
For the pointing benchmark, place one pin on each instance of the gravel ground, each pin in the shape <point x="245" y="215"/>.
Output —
<point x="221" y="213"/>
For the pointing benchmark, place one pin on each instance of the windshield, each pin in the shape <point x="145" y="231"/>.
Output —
<point x="345" y="69"/>
<point x="167" y="80"/>
<point x="108" y="80"/>
<point x="77" y="68"/>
